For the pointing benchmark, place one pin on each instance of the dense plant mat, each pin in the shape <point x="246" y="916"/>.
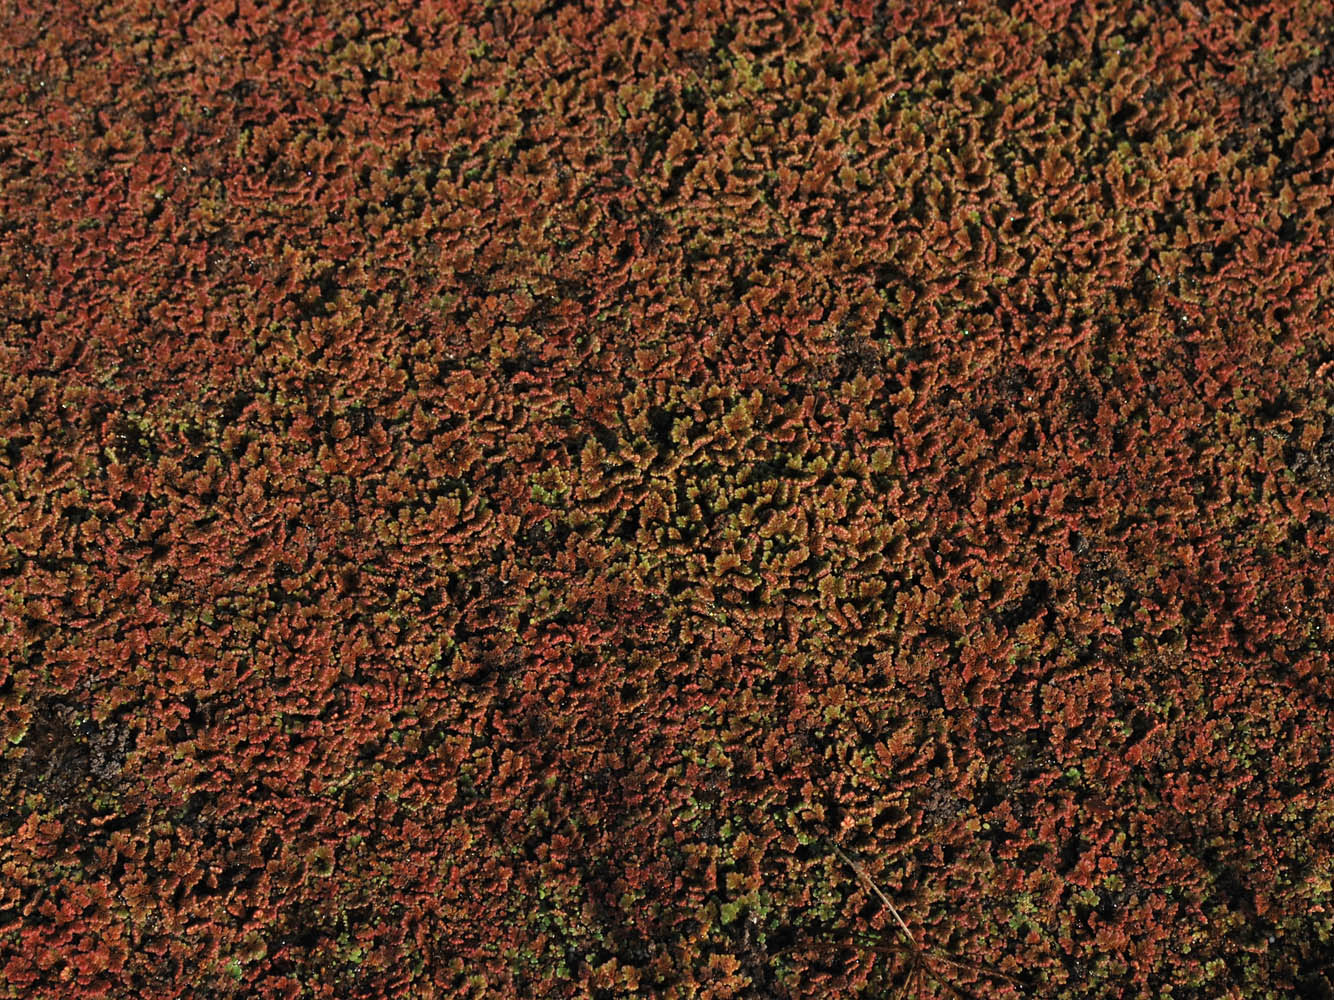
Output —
<point x="497" y="496"/>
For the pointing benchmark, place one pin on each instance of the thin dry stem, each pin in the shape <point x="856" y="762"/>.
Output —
<point x="985" y="970"/>
<point x="922" y="959"/>
<point x="913" y="971"/>
<point x="870" y="884"/>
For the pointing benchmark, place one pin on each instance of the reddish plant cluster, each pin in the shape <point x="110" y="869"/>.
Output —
<point x="492" y="492"/>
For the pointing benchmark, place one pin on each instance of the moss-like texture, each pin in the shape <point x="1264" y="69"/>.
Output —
<point x="490" y="492"/>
